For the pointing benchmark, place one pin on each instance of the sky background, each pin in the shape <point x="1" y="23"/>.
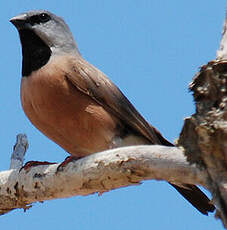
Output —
<point x="151" y="50"/>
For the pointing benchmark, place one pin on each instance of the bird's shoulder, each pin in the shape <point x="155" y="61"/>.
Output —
<point x="94" y="83"/>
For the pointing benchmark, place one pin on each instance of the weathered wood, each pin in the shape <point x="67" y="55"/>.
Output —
<point x="19" y="150"/>
<point x="99" y="173"/>
<point x="204" y="135"/>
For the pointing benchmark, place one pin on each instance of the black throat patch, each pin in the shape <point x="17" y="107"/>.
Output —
<point x="35" y="52"/>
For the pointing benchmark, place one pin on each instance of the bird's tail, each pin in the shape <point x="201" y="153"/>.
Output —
<point x="196" y="197"/>
<point x="190" y="192"/>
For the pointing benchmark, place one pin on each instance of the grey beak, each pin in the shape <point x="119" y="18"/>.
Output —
<point x="19" y="21"/>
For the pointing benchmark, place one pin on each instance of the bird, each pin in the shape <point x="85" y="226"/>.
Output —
<point x="75" y="104"/>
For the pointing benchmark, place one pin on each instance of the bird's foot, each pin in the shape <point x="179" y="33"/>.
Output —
<point x="30" y="164"/>
<point x="66" y="161"/>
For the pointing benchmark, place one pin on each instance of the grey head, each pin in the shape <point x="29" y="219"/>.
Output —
<point x="42" y="35"/>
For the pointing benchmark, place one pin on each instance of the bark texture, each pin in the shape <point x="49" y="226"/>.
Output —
<point x="204" y="135"/>
<point x="203" y="140"/>
<point x="96" y="173"/>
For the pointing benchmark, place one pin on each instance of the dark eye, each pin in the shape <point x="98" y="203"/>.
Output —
<point x="40" y="18"/>
<point x="44" y="17"/>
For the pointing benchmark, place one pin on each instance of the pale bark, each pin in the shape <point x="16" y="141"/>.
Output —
<point x="19" y="150"/>
<point x="99" y="173"/>
<point x="203" y="140"/>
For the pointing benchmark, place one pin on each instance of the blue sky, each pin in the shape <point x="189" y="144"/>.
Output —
<point x="151" y="50"/>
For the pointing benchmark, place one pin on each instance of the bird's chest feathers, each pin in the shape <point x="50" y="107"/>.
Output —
<point x="58" y="109"/>
<point x="45" y="94"/>
<point x="49" y="95"/>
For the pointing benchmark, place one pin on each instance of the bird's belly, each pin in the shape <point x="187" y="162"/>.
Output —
<point x="64" y="114"/>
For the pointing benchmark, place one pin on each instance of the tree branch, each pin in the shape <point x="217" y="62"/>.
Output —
<point x="203" y="140"/>
<point x="99" y="172"/>
<point x="19" y="150"/>
<point x="204" y="135"/>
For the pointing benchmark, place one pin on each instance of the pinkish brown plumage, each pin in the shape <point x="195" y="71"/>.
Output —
<point x="75" y="104"/>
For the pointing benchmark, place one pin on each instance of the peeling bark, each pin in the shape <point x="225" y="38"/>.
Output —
<point x="203" y="140"/>
<point x="97" y="173"/>
<point x="204" y="135"/>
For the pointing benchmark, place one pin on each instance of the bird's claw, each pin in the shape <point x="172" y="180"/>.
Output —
<point x="30" y="164"/>
<point x="66" y="161"/>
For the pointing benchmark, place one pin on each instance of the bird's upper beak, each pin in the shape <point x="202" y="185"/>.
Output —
<point x="19" y="21"/>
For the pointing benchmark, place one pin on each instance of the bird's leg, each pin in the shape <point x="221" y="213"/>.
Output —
<point x="30" y="164"/>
